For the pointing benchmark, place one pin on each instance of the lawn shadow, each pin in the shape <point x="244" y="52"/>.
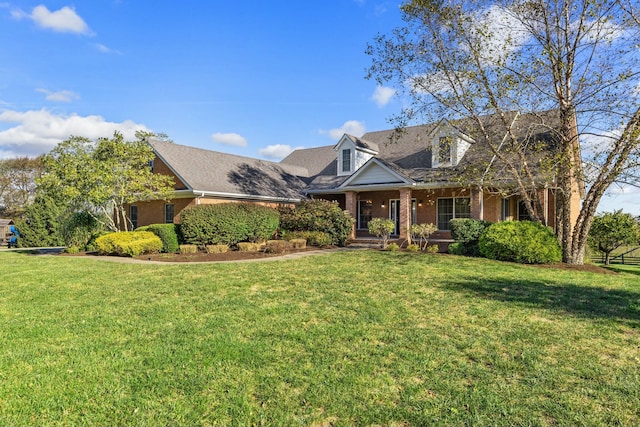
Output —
<point x="623" y="270"/>
<point x="584" y="301"/>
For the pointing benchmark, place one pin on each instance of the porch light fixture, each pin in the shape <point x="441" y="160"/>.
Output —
<point x="420" y="203"/>
<point x="382" y="205"/>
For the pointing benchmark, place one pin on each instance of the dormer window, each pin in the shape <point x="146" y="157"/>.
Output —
<point x="445" y="144"/>
<point x="346" y="160"/>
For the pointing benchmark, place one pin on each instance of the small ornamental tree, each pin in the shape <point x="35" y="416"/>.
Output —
<point x="383" y="228"/>
<point x="610" y="230"/>
<point x="421" y="233"/>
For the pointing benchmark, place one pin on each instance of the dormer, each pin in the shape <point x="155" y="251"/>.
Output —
<point x="448" y="145"/>
<point x="352" y="153"/>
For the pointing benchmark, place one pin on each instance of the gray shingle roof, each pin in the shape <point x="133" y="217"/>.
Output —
<point x="215" y="172"/>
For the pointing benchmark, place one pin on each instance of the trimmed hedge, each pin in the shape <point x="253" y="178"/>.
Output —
<point x="168" y="233"/>
<point x="318" y="215"/>
<point x="228" y="224"/>
<point x="466" y="232"/>
<point x="313" y="238"/>
<point x="520" y="241"/>
<point x="128" y="243"/>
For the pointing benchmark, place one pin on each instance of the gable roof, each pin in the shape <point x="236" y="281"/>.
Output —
<point x="228" y="175"/>
<point x="408" y="152"/>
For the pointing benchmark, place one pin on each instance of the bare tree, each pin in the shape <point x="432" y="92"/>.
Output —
<point x="576" y="59"/>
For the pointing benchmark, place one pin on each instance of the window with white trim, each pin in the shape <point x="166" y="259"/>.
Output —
<point x="505" y="211"/>
<point x="346" y="160"/>
<point x="133" y="216"/>
<point x="452" y="207"/>
<point x="365" y="209"/>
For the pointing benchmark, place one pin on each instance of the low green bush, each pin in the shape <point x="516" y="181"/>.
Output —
<point x="457" y="249"/>
<point x="128" y="243"/>
<point x="298" y="243"/>
<point x="72" y="250"/>
<point x="313" y="238"/>
<point x="525" y="242"/>
<point x="467" y="232"/>
<point x="216" y="249"/>
<point x="412" y="247"/>
<point x="393" y="247"/>
<point x="248" y="247"/>
<point x="188" y="249"/>
<point x="167" y="233"/>
<point x="276" y="246"/>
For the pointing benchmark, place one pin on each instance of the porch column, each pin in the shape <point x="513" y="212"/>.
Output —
<point x="351" y="205"/>
<point x="405" y="214"/>
<point x="477" y="208"/>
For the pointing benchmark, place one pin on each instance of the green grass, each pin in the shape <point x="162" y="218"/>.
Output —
<point x="352" y="338"/>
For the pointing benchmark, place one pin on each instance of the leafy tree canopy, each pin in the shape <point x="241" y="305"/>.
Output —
<point x="474" y="58"/>
<point x="102" y="176"/>
<point x="610" y="230"/>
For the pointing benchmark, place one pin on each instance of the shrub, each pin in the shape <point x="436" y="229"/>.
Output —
<point x="457" y="249"/>
<point x="412" y="247"/>
<point x="433" y="249"/>
<point x="80" y="228"/>
<point x="129" y="243"/>
<point x="167" y="233"/>
<point x="298" y="243"/>
<point x="393" y="247"/>
<point x="248" y="247"/>
<point x="520" y="241"/>
<point x="228" y="223"/>
<point x="421" y="233"/>
<point x="318" y="215"/>
<point x="382" y="227"/>
<point x="467" y="232"/>
<point x="188" y="249"/>
<point x="216" y="249"/>
<point x="276" y="246"/>
<point x="313" y="238"/>
<point x="72" y="250"/>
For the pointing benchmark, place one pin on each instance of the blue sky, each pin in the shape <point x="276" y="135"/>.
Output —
<point x="254" y="78"/>
<point x="251" y="78"/>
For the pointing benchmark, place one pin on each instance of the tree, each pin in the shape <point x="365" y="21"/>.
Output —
<point x="41" y="223"/>
<point x="18" y="184"/>
<point x="610" y="230"/>
<point x="382" y="227"/>
<point x="101" y="177"/>
<point x="471" y="59"/>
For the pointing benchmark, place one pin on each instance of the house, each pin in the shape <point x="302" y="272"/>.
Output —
<point x="424" y="174"/>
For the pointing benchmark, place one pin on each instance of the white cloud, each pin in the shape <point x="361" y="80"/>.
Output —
<point x="60" y="96"/>
<point x="232" y="139"/>
<point x="382" y="95"/>
<point x="105" y="49"/>
<point x="352" y="127"/>
<point x="36" y="132"/>
<point x="65" y="20"/>
<point x="277" y="151"/>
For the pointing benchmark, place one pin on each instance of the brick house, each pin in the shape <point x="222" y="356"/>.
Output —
<point x="425" y="174"/>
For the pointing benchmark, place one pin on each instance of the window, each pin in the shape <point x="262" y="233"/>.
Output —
<point x="168" y="213"/>
<point x="346" y="160"/>
<point x="364" y="213"/>
<point x="523" y="214"/>
<point x="505" y="211"/>
<point x="450" y="208"/>
<point x="133" y="216"/>
<point x="444" y="149"/>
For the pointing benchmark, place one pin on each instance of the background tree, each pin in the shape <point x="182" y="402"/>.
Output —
<point x="101" y="177"/>
<point x="472" y="58"/>
<point x="610" y="230"/>
<point x="41" y="223"/>
<point x="18" y="184"/>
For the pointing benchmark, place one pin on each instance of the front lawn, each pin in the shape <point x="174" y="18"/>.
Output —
<point x="351" y="338"/>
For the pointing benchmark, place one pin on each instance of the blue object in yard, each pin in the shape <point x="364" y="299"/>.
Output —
<point x="13" y="240"/>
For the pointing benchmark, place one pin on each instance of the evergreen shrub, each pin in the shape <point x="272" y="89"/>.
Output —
<point x="318" y="215"/>
<point x="228" y="223"/>
<point x="467" y="232"/>
<point x="167" y="233"/>
<point x="128" y="243"/>
<point x="525" y="242"/>
<point x="313" y="238"/>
